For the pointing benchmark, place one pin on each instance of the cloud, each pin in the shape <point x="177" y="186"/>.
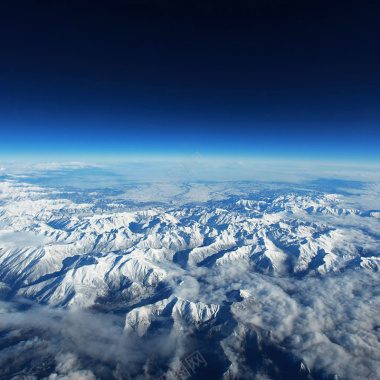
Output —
<point x="76" y="344"/>
<point x="68" y="369"/>
<point x="20" y="239"/>
<point x="331" y="323"/>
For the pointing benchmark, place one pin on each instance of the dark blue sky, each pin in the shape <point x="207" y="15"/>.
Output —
<point x="252" y="78"/>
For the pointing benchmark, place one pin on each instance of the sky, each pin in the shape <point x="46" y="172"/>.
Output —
<point x="256" y="79"/>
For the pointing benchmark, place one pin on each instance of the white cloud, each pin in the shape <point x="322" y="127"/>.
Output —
<point x="20" y="239"/>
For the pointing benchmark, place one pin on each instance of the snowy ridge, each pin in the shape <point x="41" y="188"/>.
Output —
<point x="96" y="252"/>
<point x="223" y="270"/>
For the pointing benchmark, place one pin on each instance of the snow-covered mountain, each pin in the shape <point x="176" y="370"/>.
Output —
<point x="261" y="279"/>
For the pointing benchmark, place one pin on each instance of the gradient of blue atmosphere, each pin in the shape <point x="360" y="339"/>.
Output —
<point x="95" y="135"/>
<point x="123" y="81"/>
